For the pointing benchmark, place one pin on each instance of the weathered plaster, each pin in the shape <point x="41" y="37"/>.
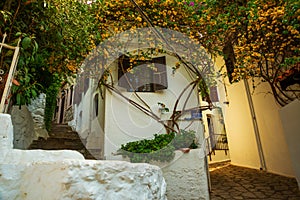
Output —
<point x="23" y="125"/>
<point x="186" y="176"/>
<point x="65" y="175"/>
<point x="75" y="179"/>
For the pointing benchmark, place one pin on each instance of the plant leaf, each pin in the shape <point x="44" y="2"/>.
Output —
<point x="26" y="42"/>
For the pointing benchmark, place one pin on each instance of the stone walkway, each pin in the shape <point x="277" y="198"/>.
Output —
<point x="232" y="182"/>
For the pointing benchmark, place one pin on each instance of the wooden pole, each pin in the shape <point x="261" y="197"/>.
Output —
<point x="3" y="107"/>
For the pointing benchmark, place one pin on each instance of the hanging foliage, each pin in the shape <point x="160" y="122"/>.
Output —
<point x="255" y="37"/>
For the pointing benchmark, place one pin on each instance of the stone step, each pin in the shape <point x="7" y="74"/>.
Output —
<point x="62" y="137"/>
<point x="57" y="144"/>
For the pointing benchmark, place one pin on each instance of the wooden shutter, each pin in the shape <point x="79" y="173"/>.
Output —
<point x="79" y="89"/>
<point x="214" y="97"/>
<point x="86" y="83"/>
<point x="123" y="77"/>
<point x="160" y="80"/>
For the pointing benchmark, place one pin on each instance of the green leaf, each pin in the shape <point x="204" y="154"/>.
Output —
<point x="18" y="34"/>
<point x="18" y="99"/>
<point x="33" y="92"/>
<point x="26" y="42"/>
<point x="9" y="53"/>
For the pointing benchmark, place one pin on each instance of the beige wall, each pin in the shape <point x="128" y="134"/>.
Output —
<point x="272" y="135"/>
<point x="240" y="131"/>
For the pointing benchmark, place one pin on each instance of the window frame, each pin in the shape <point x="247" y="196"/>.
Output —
<point x="131" y="82"/>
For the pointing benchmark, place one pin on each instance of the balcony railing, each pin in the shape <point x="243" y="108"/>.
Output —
<point x="216" y="142"/>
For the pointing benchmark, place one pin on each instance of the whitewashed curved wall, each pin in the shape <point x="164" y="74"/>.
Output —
<point x="121" y="122"/>
<point x="124" y="123"/>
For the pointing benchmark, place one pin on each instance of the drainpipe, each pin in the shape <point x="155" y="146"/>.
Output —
<point x="255" y="126"/>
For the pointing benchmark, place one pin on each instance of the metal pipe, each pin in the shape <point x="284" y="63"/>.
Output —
<point x="255" y="126"/>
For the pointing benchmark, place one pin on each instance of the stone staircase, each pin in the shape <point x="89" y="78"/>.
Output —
<point x="62" y="137"/>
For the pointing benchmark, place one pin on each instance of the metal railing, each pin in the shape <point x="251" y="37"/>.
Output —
<point x="216" y="142"/>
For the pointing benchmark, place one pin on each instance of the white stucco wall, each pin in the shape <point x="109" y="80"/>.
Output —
<point x="6" y="132"/>
<point x="186" y="176"/>
<point x="90" y="127"/>
<point x="121" y="122"/>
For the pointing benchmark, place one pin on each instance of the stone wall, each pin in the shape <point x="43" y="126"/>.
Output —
<point x="69" y="114"/>
<point x="28" y="122"/>
<point x="65" y="175"/>
<point x="23" y="127"/>
<point x="37" y="109"/>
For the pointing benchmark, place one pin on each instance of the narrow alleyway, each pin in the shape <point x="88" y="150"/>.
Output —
<point x="233" y="182"/>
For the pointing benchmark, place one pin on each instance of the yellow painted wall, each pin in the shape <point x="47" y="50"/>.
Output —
<point x="272" y="135"/>
<point x="240" y="131"/>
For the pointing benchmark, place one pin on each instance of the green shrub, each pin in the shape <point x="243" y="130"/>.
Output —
<point x="160" y="148"/>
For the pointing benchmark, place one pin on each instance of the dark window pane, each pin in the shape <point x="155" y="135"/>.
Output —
<point x="124" y="77"/>
<point x="214" y="97"/>
<point x="160" y="76"/>
<point x="144" y="77"/>
<point x="96" y="105"/>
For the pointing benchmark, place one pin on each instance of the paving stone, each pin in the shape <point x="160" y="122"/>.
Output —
<point x="260" y="194"/>
<point x="238" y="197"/>
<point x="248" y="195"/>
<point x="241" y="189"/>
<point x="233" y="182"/>
<point x="294" y="198"/>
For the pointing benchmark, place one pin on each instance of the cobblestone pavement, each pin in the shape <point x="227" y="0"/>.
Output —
<point x="233" y="182"/>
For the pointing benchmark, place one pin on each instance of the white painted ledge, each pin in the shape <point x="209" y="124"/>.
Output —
<point x="82" y="179"/>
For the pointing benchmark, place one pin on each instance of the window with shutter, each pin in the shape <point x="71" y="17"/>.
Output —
<point x="214" y="97"/>
<point x="160" y="76"/>
<point x="143" y="78"/>
<point x="96" y="105"/>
